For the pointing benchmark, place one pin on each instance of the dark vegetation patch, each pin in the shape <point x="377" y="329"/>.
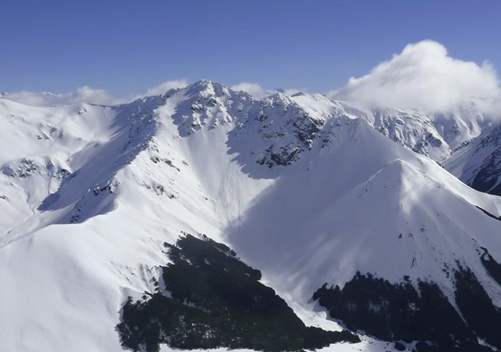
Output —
<point x="399" y="312"/>
<point x="399" y="346"/>
<point x="477" y="308"/>
<point x="393" y="312"/>
<point x="216" y="300"/>
<point x="491" y="265"/>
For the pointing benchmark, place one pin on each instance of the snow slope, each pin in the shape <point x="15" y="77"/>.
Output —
<point x="302" y="187"/>
<point x="365" y="204"/>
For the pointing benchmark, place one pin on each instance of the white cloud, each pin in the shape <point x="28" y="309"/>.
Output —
<point x="253" y="89"/>
<point x="90" y="95"/>
<point x="293" y="91"/>
<point x="166" y="86"/>
<point x="83" y="94"/>
<point x="86" y="94"/>
<point x="424" y="76"/>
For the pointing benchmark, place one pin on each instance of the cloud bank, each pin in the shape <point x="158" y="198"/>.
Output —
<point x="91" y="95"/>
<point x="166" y="86"/>
<point x="253" y="89"/>
<point x="83" y="94"/>
<point x="87" y="94"/>
<point x="424" y="76"/>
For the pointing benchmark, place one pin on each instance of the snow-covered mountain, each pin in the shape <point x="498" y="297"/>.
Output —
<point x="465" y="142"/>
<point x="434" y="135"/>
<point x="352" y="230"/>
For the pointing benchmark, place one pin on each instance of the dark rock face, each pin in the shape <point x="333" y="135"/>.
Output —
<point x="283" y="157"/>
<point x="426" y="141"/>
<point x="398" y="312"/>
<point x="285" y="129"/>
<point x="212" y="299"/>
<point x="207" y="104"/>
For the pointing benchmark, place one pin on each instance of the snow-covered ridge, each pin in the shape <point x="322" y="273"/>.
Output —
<point x="302" y="187"/>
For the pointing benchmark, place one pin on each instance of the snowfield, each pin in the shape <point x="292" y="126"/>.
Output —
<point x="306" y="189"/>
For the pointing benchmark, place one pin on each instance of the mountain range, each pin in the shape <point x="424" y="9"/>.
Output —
<point x="204" y="218"/>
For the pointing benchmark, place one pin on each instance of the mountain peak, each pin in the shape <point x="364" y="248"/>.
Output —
<point x="207" y="88"/>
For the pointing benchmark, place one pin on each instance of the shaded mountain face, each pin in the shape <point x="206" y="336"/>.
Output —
<point x="348" y="228"/>
<point x="478" y="163"/>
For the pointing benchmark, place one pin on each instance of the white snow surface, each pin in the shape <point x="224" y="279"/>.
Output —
<point x="303" y="188"/>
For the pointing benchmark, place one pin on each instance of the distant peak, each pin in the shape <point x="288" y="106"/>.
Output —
<point x="206" y="84"/>
<point x="207" y="88"/>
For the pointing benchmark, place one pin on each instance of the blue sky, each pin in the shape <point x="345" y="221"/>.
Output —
<point x="129" y="46"/>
